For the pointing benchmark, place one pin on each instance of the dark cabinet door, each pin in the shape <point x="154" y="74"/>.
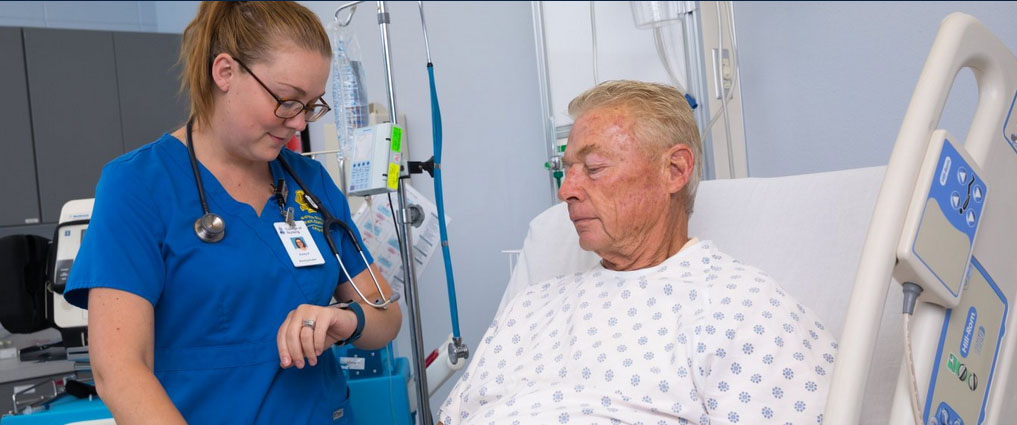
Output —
<point x="72" y="85"/>
<point x="17" y="162"/>
<point x="149" y="86"/>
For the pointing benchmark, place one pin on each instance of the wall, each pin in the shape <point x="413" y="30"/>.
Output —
<point x="91" y="15"/>
<point x="173" y="16"/>
<point x="825" y="85"/>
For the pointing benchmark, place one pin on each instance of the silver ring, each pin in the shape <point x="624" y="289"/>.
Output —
<point x="309" y="323"/>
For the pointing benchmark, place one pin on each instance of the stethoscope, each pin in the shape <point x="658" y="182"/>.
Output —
<point x="211" y="227"/>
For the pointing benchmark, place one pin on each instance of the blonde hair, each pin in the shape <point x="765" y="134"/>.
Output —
<point x="662" y="118"/>
<point x="247" y="31"/>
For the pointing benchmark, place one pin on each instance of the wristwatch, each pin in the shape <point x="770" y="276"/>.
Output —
<point x="357" y="311"/>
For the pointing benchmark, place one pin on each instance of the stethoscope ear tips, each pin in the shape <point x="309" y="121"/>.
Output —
<point x="210" y="228"/>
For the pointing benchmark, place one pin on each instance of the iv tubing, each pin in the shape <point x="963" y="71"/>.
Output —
<point x="439" y="198"/>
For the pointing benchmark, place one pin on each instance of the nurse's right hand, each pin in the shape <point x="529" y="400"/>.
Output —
<point x="299" y="340"/>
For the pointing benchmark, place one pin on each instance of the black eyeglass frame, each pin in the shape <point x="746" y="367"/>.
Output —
<point x="309" y="110"/>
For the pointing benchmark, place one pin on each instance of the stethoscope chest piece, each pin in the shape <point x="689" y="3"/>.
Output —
<point x="210" y="228"/>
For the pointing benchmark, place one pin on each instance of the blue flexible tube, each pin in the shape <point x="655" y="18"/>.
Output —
<point x="453" y="307"/>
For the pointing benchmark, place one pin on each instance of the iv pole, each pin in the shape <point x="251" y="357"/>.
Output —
<point x="402" y="219"/>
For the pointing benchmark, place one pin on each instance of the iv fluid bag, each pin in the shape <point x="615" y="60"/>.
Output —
<point x="649" y="14"/>
<point x="348" y="92"/>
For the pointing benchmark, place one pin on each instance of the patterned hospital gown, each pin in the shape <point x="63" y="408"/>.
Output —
<point x="697" y="339"/>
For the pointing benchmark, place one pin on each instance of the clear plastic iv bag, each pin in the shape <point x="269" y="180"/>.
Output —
<point x="348" y="92"/>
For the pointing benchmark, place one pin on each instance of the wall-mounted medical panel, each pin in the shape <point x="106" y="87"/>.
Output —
<point x="17" y="164"/>
<point x="148" y="80"/>
<point x="72" y="83"/>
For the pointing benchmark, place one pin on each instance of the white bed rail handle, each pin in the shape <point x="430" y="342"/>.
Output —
<point x="962" y="42"/>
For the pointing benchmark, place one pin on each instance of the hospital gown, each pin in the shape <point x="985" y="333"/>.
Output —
<point x="697" y="339"/>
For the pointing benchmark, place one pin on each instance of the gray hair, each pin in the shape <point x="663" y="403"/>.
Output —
<point x="664" y="119"/>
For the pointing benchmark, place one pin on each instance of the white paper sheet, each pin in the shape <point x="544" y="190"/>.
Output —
<point x="374" y="219"/>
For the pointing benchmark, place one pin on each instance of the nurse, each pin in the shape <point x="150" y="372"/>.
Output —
<point x="237" y="329"/>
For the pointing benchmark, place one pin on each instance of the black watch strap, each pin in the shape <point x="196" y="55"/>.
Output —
<point x="357" y="311"/>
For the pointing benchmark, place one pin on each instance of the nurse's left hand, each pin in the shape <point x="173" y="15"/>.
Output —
<point x="297" y="341"/>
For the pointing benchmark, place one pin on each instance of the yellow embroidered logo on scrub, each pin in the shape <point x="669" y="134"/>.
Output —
<point x="303" y="202"/>
<point x="314" y="222"/>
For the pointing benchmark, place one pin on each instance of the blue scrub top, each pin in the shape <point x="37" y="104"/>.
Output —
<point x="218" y="306"/>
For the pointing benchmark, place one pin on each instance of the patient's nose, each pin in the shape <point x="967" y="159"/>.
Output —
<point x="569" y="189"/>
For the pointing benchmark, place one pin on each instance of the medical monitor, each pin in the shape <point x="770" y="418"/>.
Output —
<point x="72" y="321"/>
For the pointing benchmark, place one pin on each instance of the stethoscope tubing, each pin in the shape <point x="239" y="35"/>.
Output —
<point x="316" y="204"/>
<point x="327" y="223"/>
<point x="194" y="167"/>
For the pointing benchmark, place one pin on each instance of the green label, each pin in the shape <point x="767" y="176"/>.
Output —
<point x="953" y="364"/>
<point x="397" y="138"/>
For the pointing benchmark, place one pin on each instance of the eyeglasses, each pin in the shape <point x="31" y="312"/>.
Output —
<point x="289" y="108"/>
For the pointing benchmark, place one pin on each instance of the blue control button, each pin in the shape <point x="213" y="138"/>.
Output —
<point x="970" y="218"/>
<point x="962" y="175"/>
<point x="943" y="415"/>
<point x="976" y="193"/>
<point x="955" y="200"/>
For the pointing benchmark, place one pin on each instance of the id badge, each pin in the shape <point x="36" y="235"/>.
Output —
<point x="299" y="244"/>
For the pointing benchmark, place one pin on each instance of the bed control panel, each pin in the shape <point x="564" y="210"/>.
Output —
<point x="967" y="353"/>
<point x="942" y="222"/>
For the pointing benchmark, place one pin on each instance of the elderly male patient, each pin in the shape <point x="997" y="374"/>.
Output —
<point x="666" y="329"/>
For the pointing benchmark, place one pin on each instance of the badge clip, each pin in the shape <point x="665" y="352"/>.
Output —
<point x="280" y="192"/>
<point x="289" y="217"/>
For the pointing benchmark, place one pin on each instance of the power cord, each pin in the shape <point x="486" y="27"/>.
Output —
<point x="911" y="293"/>
<point x="395" y="222"/>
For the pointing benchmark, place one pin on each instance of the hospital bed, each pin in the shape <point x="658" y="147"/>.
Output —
<point x="843" y="242"/>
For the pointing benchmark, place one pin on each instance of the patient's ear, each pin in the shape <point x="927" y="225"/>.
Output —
<point x="680" y="163"/>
